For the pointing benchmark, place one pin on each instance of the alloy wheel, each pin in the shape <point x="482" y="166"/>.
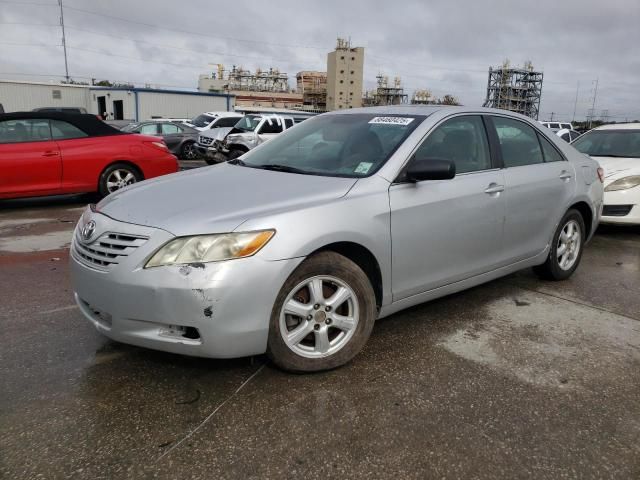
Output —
<point x="569" y="244"/>
<point x="119" y="178"/>
<point x="319" y="316"/>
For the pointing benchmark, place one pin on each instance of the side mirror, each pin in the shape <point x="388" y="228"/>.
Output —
<point x="430" y="169"/>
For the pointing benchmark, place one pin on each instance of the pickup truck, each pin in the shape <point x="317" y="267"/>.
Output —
<point x="248" y="133"/>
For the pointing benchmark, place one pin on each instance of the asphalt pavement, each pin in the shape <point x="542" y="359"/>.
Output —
<point x="517" y="378"/>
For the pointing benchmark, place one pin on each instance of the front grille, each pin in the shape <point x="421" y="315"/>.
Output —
<point x="616" y="210"/>
<point x="202" y="140"/>
<point x="107" y="250"/>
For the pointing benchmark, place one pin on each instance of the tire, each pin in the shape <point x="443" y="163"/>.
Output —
<point x="561" y="264"/>
<point x="235" y="154"/>
<point x="188" y="151"/>
<point x="122" y="174"/>
<point x="334" y="333"/>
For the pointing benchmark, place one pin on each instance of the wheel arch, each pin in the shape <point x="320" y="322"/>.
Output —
<point x="238" y="146"/>
<point x="362" y="257"/>
<point x="587" y="216"/>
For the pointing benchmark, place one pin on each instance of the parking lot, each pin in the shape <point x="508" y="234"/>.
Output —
<point x="515" y="378"/>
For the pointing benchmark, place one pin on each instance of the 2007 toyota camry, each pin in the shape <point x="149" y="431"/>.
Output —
<point x="296" y="248"/>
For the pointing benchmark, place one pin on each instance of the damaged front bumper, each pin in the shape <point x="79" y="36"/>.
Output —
<point x="218" y="310"/>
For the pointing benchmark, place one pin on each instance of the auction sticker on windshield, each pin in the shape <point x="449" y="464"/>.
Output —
<point x="392" y="120"/>
<point x="363" y="167"/>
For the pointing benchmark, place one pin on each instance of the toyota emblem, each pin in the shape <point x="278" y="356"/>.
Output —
<point x="88" y="229"/>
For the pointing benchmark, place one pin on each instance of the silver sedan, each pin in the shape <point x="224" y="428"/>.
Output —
<point x="296" y="248"/>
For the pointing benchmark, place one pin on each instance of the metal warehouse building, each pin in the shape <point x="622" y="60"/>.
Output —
<point x="113" y="103"/>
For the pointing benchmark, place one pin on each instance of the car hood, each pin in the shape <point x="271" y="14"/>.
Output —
<point x="216" y="133"/>
<point x="615" y="168"/>
<point x="218" y="198"/>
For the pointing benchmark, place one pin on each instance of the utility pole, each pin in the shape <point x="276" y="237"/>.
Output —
<point x="593" y="105"/>
<point x="64" y="42"/>
<point x="552" y="114"/>
<point x="575" y="105"/>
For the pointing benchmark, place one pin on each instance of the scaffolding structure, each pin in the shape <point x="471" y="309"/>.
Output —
<point x="387" y="93"/>
<point x="313" y="87"/>
<point x="515" y="89"/>
<point x="272" y="80"/>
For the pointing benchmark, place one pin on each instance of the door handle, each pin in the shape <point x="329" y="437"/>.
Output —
<point x="51" y="153"/>
<point x="494" y="188"/>
<point x="564" y="175"/>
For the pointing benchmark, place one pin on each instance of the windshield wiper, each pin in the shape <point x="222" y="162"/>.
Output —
<point x="612" y="155"/>
<point x="237" y="161"/>
<point x="282" y="168"/>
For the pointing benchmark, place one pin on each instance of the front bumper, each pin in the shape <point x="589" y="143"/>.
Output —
<point x="227" y="303"/>
<point x="616" y="207"/>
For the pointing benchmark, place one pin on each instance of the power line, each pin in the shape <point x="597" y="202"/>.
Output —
<point x="155" y="44"/>
<point x="151" y="25"/>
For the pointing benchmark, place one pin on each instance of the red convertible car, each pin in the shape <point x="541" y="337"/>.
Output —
<point x="48" y="153"/>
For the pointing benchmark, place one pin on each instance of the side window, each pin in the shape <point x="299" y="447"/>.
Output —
<point x="22" y="131"/>
<point x="169" y="128"/>
<point x="565" y="137"/>
<point x="149" y="129"/>
<point x="550" y="153"/>
<point x="65" y="131"/>
<point x="518" y="142"/>
<point x="275" y="127"/>
<point x="288" y="122"/>
<point x="574" y="135"/>
<point x="462" y="140"/>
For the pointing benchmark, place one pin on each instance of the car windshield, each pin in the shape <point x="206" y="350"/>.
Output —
<point x="610" y="143"/>
<point x="202" y="120"/>
<point x="352" y="145"/>
<point x="248" y="123"/>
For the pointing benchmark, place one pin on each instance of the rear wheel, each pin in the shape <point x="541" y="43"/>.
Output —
<point x="566" y="248"/>
<point x="322" y="316"/>
<point x="189" y="151"/>
<point x="117" y="176"/>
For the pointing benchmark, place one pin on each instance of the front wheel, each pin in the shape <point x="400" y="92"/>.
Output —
<point x="322" y="316"/>
<point x="117" y="176"/>
<point x="235" y="154"/>
<point x="566" y="248"/>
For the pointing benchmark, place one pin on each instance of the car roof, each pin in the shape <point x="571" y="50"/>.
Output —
<point x="620" y="126"/>
<point x="224" y="114"/>
<point x="427" y="110"/>
<point x="89" y="124"/>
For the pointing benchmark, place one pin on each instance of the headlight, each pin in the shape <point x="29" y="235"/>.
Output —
<point x="210" y="248"/>
<point x="623" y="183"/>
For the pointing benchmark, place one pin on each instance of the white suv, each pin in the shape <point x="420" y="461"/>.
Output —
<point x="555" y="126"/>
<point x="208" y="120"/>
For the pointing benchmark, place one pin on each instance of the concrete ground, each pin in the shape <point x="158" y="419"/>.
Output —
<point x="518" y="378"/>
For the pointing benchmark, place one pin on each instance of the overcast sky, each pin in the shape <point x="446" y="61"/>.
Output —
<point x="445" y="45"/>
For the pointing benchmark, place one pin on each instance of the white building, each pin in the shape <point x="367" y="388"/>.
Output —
<point x="114" y="103"/>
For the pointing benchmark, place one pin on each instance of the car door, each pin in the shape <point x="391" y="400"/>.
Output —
<point x="172" y="135"/>
<point x="83" y="157"/>
<point x="29" y="159"/>
<point x="539" y="183"/>
<point x="444" y="231"/>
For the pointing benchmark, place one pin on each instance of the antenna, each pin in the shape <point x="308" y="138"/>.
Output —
<point x="64" y="42"/>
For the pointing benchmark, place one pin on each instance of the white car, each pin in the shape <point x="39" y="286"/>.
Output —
<point x="555" y="126"/>
<point x="208" y="120"/>
<point x="617" y="149"/>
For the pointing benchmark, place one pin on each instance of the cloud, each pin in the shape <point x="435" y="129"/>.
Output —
<point x="445" y="46"/>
